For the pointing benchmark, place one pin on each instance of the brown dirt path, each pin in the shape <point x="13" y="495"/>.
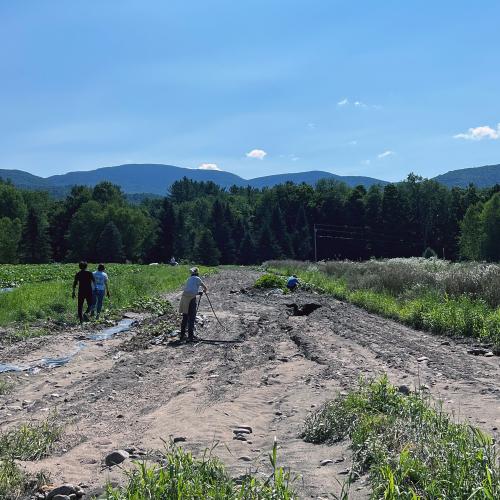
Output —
<point x="283" y="367"/>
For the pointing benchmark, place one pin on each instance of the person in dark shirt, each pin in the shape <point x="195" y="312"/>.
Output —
<point x="84" y="279"/>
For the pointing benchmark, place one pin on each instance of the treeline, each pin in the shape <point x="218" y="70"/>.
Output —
<point x="204" y="223"/>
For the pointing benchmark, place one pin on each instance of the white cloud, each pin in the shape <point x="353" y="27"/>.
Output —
<point x="385" y="154"/>
<point x="352" y="143"/>
<point x="257" y="154"/>
<point x="366" y="162"/>
<point x="208" y="166"/>
<point x="357" y="104"/>
<point x="480" y="133"/>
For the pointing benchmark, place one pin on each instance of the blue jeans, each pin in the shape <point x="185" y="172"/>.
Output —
<point x="97" y="298"/>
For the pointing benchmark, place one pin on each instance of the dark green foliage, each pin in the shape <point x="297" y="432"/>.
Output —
<point x="109" y="245"/>
<point x="205" y="250"/>
<point x="248" y="253"/>
<point x="250" y="225"/>
<point x="36" y="246"/>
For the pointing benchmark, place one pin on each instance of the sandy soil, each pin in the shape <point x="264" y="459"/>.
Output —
<point x="281" y="367"/>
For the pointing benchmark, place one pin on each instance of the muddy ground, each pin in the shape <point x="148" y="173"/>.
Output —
<point x="115" y="394"/>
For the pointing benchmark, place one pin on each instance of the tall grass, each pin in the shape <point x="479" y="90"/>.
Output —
<point x="41" y="299"/>
<point x="438" y="296"/>
<point x="30" y="441"/>
<point x="184" y="477"/>
<point x="410" y="448"/>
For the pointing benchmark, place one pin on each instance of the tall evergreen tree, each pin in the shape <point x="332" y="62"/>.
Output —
<point x="280" y="232"/>
<point x="267" y="246"/>
<point x="166" y="232"/>
<point x="205" y="250"/>
<point x="36" y="244"/>
<point x="10" y="237"/>
<point x="109" y="246"/>
<point x="222" y="232"/>
<point x="247" y="251"/>
<point x="302" y="236"/>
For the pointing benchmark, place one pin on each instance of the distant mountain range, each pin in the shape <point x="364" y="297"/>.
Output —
<point x="482" y="177"/>
<point x="156" y="179"/>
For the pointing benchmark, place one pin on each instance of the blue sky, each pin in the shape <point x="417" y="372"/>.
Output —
<point x="255" y="87"/>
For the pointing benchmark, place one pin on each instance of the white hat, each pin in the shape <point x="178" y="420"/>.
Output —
<point x="194" y="270"/>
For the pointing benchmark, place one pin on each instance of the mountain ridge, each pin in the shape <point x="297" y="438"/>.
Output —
<point x="139" y="178"/>
<point x="156" y="178"/>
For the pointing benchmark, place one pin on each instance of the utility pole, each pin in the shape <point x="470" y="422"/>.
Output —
<point x="315" y="245"/>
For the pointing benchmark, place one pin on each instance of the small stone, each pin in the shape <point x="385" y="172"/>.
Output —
<point x="61" y="491"/>
<point x="240" y="430"/>
<point x="245" y="459"/>
<point x="339" y="460"/>
<point x="344" y="472"/>
<point x="422" y="358"/>
<point x="116" y="457"/>
<point x="247" y="427"/>
<point x="278" y="413"/>
<point x="119" y="416"/>
<point x="180" y="439"/>
<point x="63" y="497"/>
<point x="240" y="437"/>
<point x="325" y="462"/>
<point x="489" y="354"/>
<point x="445" y="342"/>
<point x="404" y="389"/>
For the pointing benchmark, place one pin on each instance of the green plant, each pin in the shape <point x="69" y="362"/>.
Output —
<point x="409" y="447"/>
<point x="270" y="281"/>
<point x="31" y="441"/>
<point x="5" y="386"/>
<point x="184" y="477"/>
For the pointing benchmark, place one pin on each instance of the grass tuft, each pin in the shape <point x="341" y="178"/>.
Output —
<point x="409" y="448"/>
<point x="181" y="476"/>
<point x="31" y="441"/>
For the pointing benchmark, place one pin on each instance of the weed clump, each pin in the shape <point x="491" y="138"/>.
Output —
<point x="31" y="441"/>
<point x="271" y="281"/>
<point x="182" y="476"/>
<point x="410" y="448"/>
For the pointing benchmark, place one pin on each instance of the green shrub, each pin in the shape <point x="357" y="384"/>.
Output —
<point x="270" y="281"/>
<point x="410" y="448"/>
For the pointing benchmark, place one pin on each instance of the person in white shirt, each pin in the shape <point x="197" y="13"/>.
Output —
<point x="100" y="288"/>
<point x="187" y="307"/>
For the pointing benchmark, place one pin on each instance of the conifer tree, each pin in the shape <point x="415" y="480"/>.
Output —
<point x="247" y="253"/>
<point x="109" y="246"/>
<point x="166" y="231"/>
<point x="205" y="249"/>
<point x="302" y="236"/>
<point x="36" y="246"/>
<point x="280" y="233"/>
<point x="267" y="247"/>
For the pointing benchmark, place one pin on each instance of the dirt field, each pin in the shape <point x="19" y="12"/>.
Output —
<point x="110" y="397"/>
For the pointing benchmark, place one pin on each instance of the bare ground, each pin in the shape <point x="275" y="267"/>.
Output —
<point x="114" y="396"/>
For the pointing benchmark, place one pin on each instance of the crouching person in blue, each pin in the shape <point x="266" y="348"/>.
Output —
<point x="292" y="283"/>
<point x="187" y="307"/>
